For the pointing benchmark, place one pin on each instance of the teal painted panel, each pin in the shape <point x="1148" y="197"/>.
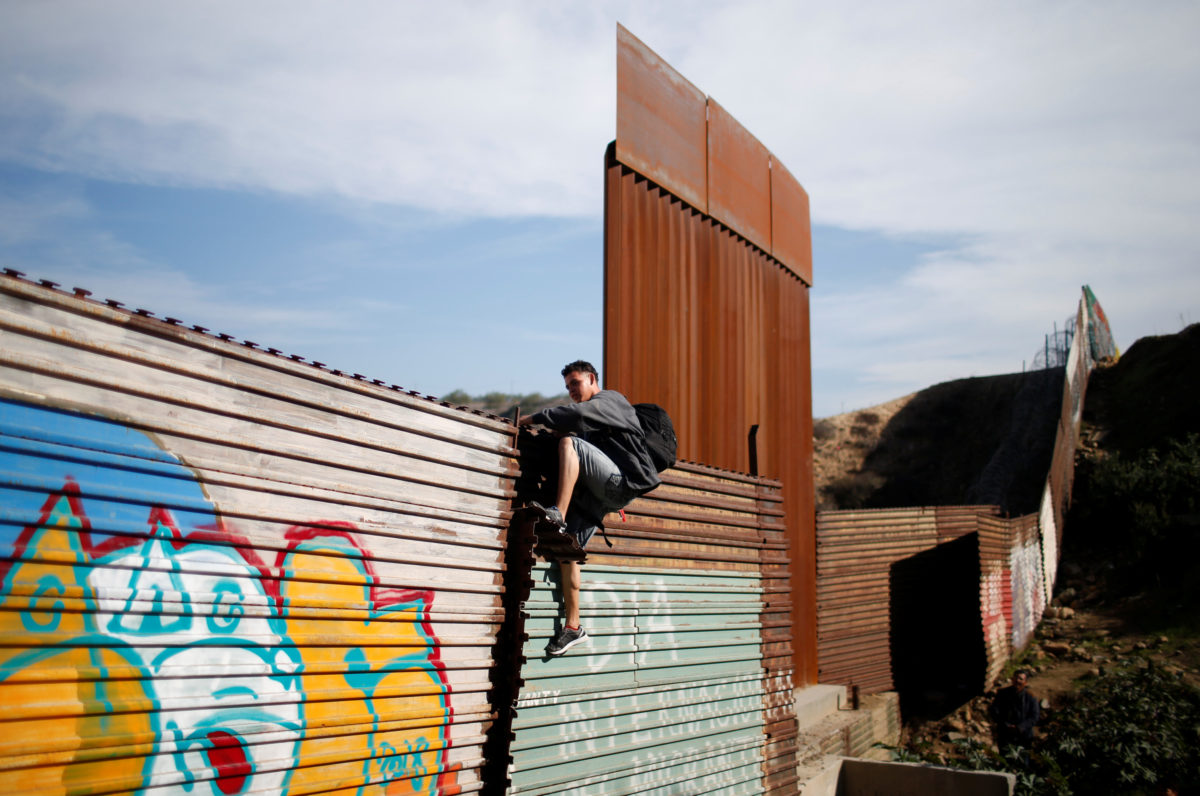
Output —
<point x="535" y="712"/>
<point x="572" y="725"/>
<point x="679" y="650"/>
<point x="668" y="694"/>
<point x="689" y="779"/>
<point x="590" y="768"/>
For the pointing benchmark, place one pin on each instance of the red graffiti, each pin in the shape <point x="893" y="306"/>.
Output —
<point x="227" y="756"/>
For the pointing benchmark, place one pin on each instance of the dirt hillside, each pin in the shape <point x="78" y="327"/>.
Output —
<point x="981" y="440"/>
<point x="1106" y="614"/>
<point x="1149" y="396"/>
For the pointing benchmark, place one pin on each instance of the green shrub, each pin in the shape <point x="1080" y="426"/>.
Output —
<point x="1133" y="504"/>
<point x="1130" y="731"/>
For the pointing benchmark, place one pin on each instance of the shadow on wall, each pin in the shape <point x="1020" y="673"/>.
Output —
<point x="938" y="655"/>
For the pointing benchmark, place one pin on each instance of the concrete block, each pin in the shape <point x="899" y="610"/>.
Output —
<point x="871" y="778"/>
<point x="820" y="778"/>
<point x="815" y="702"/>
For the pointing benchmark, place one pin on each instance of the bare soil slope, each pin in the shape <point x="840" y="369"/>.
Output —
<point x="982" y="440"/>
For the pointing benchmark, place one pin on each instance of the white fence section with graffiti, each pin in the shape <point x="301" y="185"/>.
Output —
<point x="226" y="571"/>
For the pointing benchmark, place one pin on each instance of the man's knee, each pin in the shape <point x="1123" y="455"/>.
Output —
<point x="566" y="450"/>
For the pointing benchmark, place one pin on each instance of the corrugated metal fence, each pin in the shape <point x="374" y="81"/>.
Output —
<point x="856" y="589"/>
<point x="708" y="257"/>
<point x="862" y="555"/>
<point x="226" y="570"/>
<point x="685" y="684"/>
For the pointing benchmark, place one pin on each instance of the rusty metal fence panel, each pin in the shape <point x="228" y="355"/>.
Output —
<point x="225" y="570"/>
<point x="996" y="591"/>
<point x="673" y="262"/>
<point x="708" y="254"/>
<point x="1018" y="558"/>
<point x="856" y="552"/>
<point x="685" y="685"/>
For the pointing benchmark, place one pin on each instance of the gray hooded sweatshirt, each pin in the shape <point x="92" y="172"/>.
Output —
<point x="608" y="421"/>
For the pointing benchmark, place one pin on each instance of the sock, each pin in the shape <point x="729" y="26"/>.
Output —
<point x="575" y="627"/>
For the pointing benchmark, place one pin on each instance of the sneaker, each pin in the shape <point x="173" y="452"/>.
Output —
<point x="553" y="515"/>
<point x="566" y="640"/>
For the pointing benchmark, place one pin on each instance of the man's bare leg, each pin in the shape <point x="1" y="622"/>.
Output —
<point x="568" y="474"/>
<point x="570" y="590"/>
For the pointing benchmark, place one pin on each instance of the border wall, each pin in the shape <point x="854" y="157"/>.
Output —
<point x="707" y="269"/>
<point x="685" y="686"/>
<point x="228" y="570"/>
<point x="866" y="560"/>
<point x="224" y="569"/>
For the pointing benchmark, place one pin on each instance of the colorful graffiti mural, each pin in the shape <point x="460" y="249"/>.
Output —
<point x="149" y="644"/>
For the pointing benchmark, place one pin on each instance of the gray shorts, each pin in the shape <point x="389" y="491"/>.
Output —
<point x="601" y="489"/>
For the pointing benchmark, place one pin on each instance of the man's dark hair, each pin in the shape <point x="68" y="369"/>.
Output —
<point x="580" y="366"/>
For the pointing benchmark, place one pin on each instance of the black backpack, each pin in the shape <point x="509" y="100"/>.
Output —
<point x="660" y="434"/>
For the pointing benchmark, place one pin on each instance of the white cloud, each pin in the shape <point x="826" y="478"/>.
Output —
<point x="940" y="116"/>
<point x="437" y="106"/>
<point x="1057" y="140"/>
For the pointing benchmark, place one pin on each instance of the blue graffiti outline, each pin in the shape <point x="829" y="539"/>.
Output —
<point x="29" y="615"/>
<point x="91" y="640"/>
<point x="61" y="429"/>
<point x="225" y="616"/>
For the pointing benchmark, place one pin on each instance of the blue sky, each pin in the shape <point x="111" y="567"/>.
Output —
<point x="414" y="192"/>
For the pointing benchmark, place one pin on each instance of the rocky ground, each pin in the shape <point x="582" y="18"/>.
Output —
<point x="1083" y="633"/>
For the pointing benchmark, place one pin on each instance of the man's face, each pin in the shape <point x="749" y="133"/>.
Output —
<point x="581" y="385"/>
<point x="1019" y="680"/>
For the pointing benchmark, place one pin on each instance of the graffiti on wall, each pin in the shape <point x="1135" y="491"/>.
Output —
<point x="996" y="592"/>
<point x="1028" y="603"/>
<point x="149" y="644"/>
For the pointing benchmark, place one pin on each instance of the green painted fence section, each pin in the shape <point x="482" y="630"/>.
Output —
<point x="667" y="696"/>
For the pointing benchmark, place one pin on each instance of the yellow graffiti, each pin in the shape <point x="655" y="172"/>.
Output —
<point x="63" y="700"/>
<point x="374" y="709"/>
<point x="374" y="706"/>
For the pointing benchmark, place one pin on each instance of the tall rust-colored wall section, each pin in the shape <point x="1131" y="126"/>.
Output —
<point x="707" y="267"/>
